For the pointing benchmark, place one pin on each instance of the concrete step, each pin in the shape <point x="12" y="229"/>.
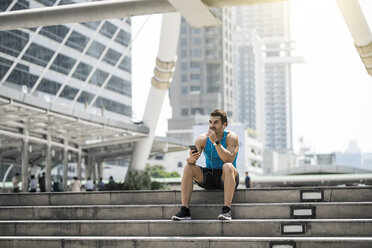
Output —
<point x="318" y="210"/>
<point x="234" y="228"/>
<point x="269" y="195"/>
<point x="186" y="242"/>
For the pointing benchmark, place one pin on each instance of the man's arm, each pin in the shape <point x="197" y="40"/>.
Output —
<point x="199" y="143"/>
<point x="229" y="153"/>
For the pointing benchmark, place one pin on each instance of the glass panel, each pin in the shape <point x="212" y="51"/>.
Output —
<point x="82" y="71"/>
<point x="96" y="49"/>
<point x="111" y="57"/>
<point x="38" y="54"/>
<point x="98" y="77"/>
<point x="69" y="92"/>
<point x="85" y="97"/>
<point x="48" y="86"/>
<point x="126" y="64"/>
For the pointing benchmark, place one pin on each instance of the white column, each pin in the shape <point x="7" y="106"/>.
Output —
<point x="25" y="161"/>
<point x="79" y="164"/>
<point x="160" y="83"/>
<point x="359" y="29"/>
<point x="48" y="164"/>
<point x="65" y="164"/>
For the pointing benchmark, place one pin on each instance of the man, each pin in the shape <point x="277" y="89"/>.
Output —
<point x="220" y="149"/>
<point x="42" y="183"/>
<point x="89" y="185"/>
<point x="16" y="181"/>
<point x="248" y="183"/>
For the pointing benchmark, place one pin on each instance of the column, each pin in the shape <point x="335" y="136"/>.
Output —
<point x="65" y="164"/>
<point x="25" y="161"/>
<point x="160" y="83"/>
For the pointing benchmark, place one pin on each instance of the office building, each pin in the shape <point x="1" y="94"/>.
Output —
<point x="85" y="66"/>
<point x="203" y="79"/>
<point x="272" y="117"/>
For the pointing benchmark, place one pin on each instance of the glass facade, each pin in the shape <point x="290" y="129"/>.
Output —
<point x="70" y="62"/>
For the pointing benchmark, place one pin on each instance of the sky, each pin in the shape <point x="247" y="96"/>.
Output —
<point x="331" y="90"/>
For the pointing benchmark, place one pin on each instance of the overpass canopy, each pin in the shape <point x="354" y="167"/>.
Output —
<point x="24" y="116"/>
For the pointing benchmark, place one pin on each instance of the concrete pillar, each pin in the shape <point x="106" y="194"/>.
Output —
<point x="25" y="161"/>
<point x="87" y="169"/>
<point x="161" y="81"/>
<point x="359" y="29"/>
<point x="48" y="164"/>
<point x="78" y="165"/>
<point x="100" y="170"/>
<point x="65" y="164"/>
<point x="94" y="169"/>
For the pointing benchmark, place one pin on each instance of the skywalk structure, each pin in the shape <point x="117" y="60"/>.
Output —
<point x="195" y="12"/>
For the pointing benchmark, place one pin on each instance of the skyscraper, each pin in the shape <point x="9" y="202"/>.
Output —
<point x="84" y="66"/>
<point x="271" y="22"/>
<point x="203" y="79"/>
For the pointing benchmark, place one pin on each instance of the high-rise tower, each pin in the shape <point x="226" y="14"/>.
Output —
<point x="271" y="22"/>
<point x="203" y="79"/>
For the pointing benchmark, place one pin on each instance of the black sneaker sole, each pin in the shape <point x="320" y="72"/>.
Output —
<point x="180" y="218"/>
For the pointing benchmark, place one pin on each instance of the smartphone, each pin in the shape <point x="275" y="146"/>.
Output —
<point x="193" y="148"/>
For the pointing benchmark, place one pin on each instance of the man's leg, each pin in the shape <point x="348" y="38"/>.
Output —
<point x="190" y="173"/>
<point x="228" y="177"/>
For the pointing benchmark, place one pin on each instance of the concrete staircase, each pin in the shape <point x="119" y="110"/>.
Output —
<point x="267" y="218"/>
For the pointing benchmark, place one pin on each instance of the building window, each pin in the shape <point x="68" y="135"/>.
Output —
<point x="183" y="42"/>
<point x="195" y="111"/>
<point x="183" y="53"/>
<point x="184" y="78"/>
<point x="82" y="71"/>
<point x="195" y="65"/>
<point x="185" y="112"/>
<point x="195" y="89"/>
<point x="197" y="53"/>
<point x="49" y="86"/>
<point x="95" y="50"/>
<point x="123" y="38"/>
<point x="197" y="41"/>
<point x="98" y="77"/>
<point x="179" y="165"/>
<point x="184" y="66"/>
<point x="108" y="29"/>
<point x="195" y="77"/>
<point x="184" y="90"/>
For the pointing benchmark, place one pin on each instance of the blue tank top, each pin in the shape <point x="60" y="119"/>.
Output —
<point x="212" y="159"/>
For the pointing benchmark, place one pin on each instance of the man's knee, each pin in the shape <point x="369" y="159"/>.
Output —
<point x="189" y="169"/>
<point x="228" y="168"/>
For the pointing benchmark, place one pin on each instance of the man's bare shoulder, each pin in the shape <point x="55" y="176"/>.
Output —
<point x="232" y="136"/>
<point x="202" y="137"/>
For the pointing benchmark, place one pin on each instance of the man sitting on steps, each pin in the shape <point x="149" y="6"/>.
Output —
<point x="220" y="149"/>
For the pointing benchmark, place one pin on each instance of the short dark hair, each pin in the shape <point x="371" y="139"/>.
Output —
<point x="221" y="114"/>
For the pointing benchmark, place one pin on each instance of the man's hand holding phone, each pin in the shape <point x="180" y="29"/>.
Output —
<point x="194" y="154"/>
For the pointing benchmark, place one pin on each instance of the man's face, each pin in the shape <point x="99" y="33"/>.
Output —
<point x="215" y="124"/>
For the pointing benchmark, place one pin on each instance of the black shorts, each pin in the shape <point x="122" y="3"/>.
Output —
<point x="212" y="179"/>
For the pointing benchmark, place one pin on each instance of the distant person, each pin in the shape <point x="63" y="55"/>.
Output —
<point x="16" y="181"/>
<point x="57" y="184"/>
<point x="248" y="182"/>
<point x="101" y="185"/>
<point x="42" y="183"/>
<point x="33" y="184"/>
<point x="75" y="185"/>
<point x="111" y="184"/>
<point x="89" y="185"/>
